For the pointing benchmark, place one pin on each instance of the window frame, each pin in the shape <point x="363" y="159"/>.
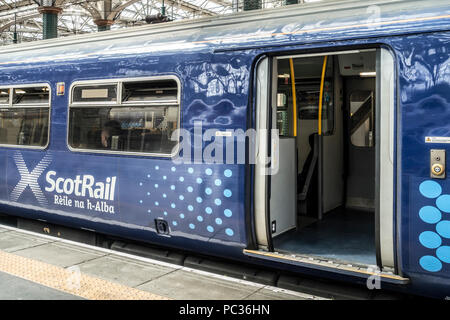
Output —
<point x="82" y="84"/>
<point x="118" y="103"/>
<point x="141" y="103"/>
<point x="6" y="105"/>
<point x="11" y="106"/>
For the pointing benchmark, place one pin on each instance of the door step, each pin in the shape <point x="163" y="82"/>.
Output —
<point x="327" y="265"/>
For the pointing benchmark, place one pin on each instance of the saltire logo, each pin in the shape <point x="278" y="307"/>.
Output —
<point x="30" y="179"/>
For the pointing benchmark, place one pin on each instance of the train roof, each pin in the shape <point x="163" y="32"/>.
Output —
<point x="301" y="23"/>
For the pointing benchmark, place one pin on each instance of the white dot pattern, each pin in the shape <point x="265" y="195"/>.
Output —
<point x="197" y="200"/>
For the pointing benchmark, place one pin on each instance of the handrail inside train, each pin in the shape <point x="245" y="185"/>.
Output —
<point x="294" y="96"/>
<point x="322" y="79"/>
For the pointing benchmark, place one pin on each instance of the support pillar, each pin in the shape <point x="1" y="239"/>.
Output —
<point x="163" y="8"/>
<point x="252" y="5"/>
<point x="103" y="24"/>
<point x="50" y="21"/>
<point x="15" y="29"/>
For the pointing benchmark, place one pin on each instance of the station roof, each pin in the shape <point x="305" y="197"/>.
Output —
<point x="79" y="16"/>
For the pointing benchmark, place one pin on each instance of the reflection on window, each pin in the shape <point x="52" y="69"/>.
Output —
<point x="145" y="127"/>
<point x="361" y="118"/>
<point x="25" y="122"/>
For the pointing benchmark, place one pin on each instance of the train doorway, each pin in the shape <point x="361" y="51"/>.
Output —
<point x="320" y="196"/>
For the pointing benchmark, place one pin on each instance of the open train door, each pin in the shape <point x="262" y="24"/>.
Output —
<point x="277" y="168"/>
<point x="263" y="150"/>
<point x="275" y="177"/>
<point x="385" y="225"/>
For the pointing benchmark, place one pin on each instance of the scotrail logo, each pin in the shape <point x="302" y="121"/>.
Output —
<point x="30" y="179"/>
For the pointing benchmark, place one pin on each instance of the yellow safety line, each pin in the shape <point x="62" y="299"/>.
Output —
<point x="322" y="79"/>
<point x="70" y="280"/>
<point x="294" y="95"/>
<point x="283" y="257"/>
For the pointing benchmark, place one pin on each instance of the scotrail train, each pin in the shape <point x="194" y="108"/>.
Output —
<point x="138" y="133"/>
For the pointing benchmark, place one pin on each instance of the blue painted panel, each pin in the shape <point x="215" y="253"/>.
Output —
<point x="205" y="203"/>
<point x="200" y="201"/>
<point x="424" y="78"/>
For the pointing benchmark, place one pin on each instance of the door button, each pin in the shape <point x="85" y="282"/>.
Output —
<point x="437" y="163"/>
<point x="437" y="169"/>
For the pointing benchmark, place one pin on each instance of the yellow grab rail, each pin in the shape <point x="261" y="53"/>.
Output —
<point x="322" y="79"/>
<point x="294" y="96"/>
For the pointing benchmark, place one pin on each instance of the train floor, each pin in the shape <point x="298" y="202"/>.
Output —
<point x="41" y="267"/>
<point x="343" y="235"/>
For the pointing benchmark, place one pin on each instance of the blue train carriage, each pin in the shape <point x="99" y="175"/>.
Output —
<point x="310" y="138"/>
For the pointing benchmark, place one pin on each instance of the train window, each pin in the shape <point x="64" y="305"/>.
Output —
<point x="31" y="95"/>
<point x="4" y="96"/>
<point x="150" y="91"/>
<point x="26" y="121"/>
<point x="95" y="94"/>
<point x="142" y="123"/>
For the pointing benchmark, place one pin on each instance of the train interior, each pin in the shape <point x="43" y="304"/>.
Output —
<point x="323" y="195"/>
<point x="24" y="120"/>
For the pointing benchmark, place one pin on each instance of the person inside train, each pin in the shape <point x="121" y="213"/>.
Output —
<point x="110" y="135"/>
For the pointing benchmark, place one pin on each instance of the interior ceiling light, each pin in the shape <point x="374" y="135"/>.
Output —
<point x="368" y="74"/>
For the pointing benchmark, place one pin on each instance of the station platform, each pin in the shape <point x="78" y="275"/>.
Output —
<point x="39" y="267"/>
